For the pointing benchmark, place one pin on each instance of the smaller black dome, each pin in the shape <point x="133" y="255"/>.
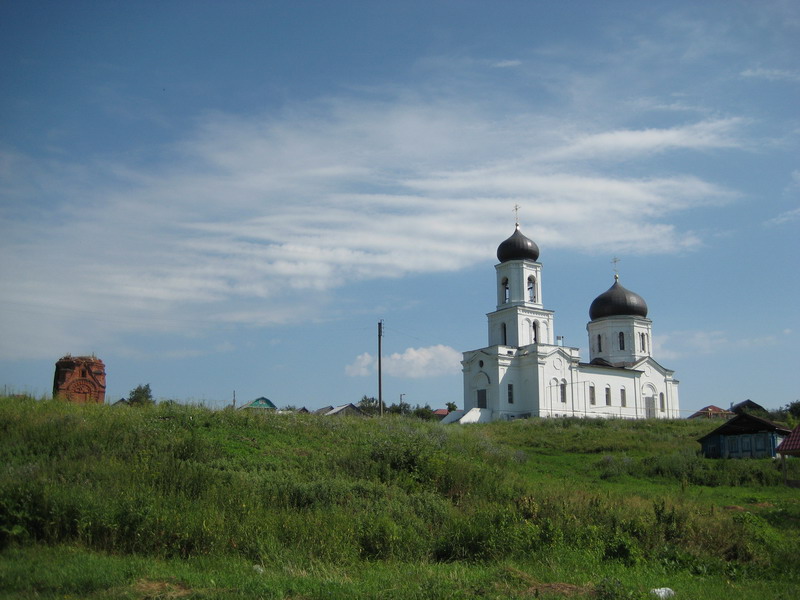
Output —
<point x="517" y="247"/>
<point x="617" y="301"/>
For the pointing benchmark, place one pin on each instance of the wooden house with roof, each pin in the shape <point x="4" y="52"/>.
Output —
<point x="790" y="447"/>
<point x="261" y="403"/>
<point x="744" y="436"/>
<point x="711" y="412"/>
<point x="748" y="406"/>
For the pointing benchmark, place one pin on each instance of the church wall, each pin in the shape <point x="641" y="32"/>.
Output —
<point x="608" y="347"/>
<point x="80" y="379"/>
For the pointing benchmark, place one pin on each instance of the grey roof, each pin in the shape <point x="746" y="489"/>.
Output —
<point x="517" y="247"/>
<point x="746" y="423"/>
<point x="344" y="407"/>
<point x="617" y="301"/>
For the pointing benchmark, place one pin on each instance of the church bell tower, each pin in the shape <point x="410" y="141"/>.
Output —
<point x="520" y="318"/>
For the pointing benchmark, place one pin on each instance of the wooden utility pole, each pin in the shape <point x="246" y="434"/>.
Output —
<point x="380" y="378"/>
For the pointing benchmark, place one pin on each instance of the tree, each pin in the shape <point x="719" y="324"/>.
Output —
<point x="141" y="395"/>
<point x="402" y="408"/>
<point x="424" y="412"/>
<point x="451" y="406"/>
<point x="369" y="405"/>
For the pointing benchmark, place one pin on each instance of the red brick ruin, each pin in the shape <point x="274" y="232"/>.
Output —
<point x="80" y="379"/>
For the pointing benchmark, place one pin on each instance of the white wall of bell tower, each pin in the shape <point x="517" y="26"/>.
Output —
<point x="520" y="318"/>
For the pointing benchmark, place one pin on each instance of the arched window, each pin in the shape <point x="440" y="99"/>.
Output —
<point x="506" y="291"/>
<point x="531" y="289"/>
<point x="504" y="332"/>
<point x="563" y="391"/>
<point x="592" y="396"/>
<point x="661" y="402"/>
<point x="535" y="332"/>
<point x="621" y="341"/>
<point x="511" y="393"/>
<point x="599" y="343"/>
<point x="623" y="399"/>
<point x="608" y="395"/>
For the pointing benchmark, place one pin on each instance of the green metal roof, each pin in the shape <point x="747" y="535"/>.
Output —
<point x="260" y="403"/>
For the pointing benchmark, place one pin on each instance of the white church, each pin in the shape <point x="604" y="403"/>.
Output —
<point x="525" y="371"/>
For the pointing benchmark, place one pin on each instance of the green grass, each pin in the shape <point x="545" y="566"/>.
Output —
<point x="173" y="501"/>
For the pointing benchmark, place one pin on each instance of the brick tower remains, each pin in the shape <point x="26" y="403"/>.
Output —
<point x="80" y="379"/>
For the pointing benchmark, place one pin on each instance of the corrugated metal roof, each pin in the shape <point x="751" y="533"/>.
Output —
<point x="791" y="445"/>
<point x="260" y="403"/>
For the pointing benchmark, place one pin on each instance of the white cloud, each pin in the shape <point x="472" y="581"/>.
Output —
<point x="249" y="211"/>
<point x="788" y="216"/>
<point x="620" y="144"/>
<point x="505" y="64"/>
<point x="772" y="74"/>
<point x="413" y="363"/>
<point x="362" y="366"/>
<point x="680" y="344"/>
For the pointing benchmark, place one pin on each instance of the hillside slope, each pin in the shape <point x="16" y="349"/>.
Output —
<point x="301" y="506"/>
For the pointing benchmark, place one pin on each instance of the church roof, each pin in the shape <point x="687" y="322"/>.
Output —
<point x="617" y="301"/>
<point x="517" y="247"/>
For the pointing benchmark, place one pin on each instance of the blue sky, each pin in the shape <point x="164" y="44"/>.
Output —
<point x="229" y="196"/>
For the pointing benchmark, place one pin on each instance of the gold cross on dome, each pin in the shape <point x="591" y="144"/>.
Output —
<point x="614" y="261"/>
<point x="516" y="213"/>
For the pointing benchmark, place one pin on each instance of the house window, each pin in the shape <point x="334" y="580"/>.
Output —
<point x="760" y="445"/>
<point x="608" y="396"/>
<point x="511" y="393"/>
<point x="481" y="398"/>
<point x="623" y="401"/>
<point x="745" y="444"/>
<point x="592" y="397"/>
<point x="599" y="343"/>
<point x="661" y="406"/>
<point x="621" y="341"/>
<point x="563" y="391"/>
<point x="531" y="289"/>
<point x="733" y="444"/>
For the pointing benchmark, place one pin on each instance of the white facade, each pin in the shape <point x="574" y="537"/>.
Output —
<point x="524" y="372"/>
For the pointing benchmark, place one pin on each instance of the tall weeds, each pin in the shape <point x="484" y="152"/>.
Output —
<point x="177" y="481"/>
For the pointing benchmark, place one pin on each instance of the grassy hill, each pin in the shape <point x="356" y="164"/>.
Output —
<point x="172" y="501"/>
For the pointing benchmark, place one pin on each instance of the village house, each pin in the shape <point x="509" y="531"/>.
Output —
<point x="744" y="436"/>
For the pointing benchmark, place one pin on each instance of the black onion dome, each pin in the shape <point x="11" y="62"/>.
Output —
<point x="617" y="301"/>
<point x="517" y="247"/>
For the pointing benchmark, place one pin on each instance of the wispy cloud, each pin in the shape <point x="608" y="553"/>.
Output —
<point x="246" y="212"/>
<point x="505" y="64"/>
<point x="788" y="216"/>
<point x="621" y="144"/>
<point x="412" y="363"/>
<point x="706" y="343"/>
<point x="792" y="190"/>
<point x="772" y="74"/>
